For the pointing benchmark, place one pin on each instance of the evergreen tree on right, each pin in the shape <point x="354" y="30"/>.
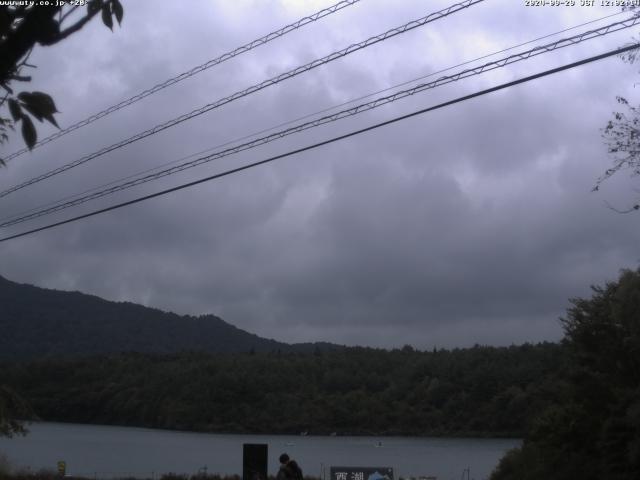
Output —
<point x="592" y="428"/>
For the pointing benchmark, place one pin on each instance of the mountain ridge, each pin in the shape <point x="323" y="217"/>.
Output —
<point x="39" y="322"/>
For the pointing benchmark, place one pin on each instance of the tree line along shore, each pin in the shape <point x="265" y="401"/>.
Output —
<point x="479" y="391"/>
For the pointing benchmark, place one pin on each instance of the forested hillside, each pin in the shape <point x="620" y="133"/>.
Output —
<point x="590" y="429"/>
<point x="483" y="391"/>
<point x="37" y="322"/>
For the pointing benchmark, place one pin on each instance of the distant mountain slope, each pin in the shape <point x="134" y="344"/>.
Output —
<point x="37" y="322"/>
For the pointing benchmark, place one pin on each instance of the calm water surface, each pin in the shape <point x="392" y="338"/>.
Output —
<point x="104" y="451"/>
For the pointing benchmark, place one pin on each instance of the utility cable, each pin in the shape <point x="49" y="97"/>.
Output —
<point x="255" y="88"/>
<point x="331" y="140"/>
<point x="190" y="73"/>
<point x="574" y="40"/>
<point x="304" y="117"/>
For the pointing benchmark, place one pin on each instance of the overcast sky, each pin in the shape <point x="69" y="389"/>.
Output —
<point x="471" y="224"/>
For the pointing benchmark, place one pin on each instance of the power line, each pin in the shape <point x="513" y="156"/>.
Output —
<point x="255" y="88"/>
<point x="190" y="73"/>
<point x="574" y="40"/>
<point x="309" y="115"/>
<point x="331" y="140"/>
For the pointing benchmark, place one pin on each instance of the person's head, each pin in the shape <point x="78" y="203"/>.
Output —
<point x="284" y="458"/>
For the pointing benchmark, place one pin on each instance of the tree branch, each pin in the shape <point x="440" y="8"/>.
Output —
<point x="20" y="41"/>
<point x="63" y="17"/>
<point x="20" y="78"/>
<point x="76" y="26"/>
<point x="4" y="99"/>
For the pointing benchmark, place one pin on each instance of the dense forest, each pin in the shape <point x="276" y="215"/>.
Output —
<point x="591" y="428"/>
<point x="482" y="391"/>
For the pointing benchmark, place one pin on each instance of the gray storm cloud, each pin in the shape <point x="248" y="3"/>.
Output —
<point x="471" y="224"/>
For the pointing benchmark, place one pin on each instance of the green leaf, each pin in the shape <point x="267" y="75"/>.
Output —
<point x="93" y="6"/>
<point x="49" y="118"/>
<point x="14" y="109"/>
<point x="29" y="132"/>
<point x="33" y="111"/>
<point x="25" y="96"/>
<point x="40" y="101"/>
<point x="40" y="105"/>
<point x="45" y="100"/>
<point x="106" y="16"/>
<point x="118" y="11"/>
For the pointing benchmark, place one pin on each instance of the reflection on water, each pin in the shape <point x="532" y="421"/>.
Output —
<point x="104" y="451"/>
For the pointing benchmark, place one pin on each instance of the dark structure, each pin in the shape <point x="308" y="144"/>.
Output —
<point x="255" y="461"/>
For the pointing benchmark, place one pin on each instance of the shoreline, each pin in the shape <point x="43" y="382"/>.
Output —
<point x="109" y="451"/>
<point x="445" y="435"/>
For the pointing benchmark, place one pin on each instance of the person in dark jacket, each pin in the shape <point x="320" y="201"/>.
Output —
<point x="289" y="469"/>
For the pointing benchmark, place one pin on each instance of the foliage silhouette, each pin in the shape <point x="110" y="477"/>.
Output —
<point x="479" y="391"/>
<point x="591" y="430"/>
<point x="22" y="27"/>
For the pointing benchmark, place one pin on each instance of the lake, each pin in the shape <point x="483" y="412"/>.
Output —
<point x="107" y="452"/>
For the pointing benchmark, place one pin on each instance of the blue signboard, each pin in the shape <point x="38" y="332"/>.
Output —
<point x="361" y="473"/>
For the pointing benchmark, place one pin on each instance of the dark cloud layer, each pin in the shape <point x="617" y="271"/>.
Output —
<point x="471" y="224"/>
